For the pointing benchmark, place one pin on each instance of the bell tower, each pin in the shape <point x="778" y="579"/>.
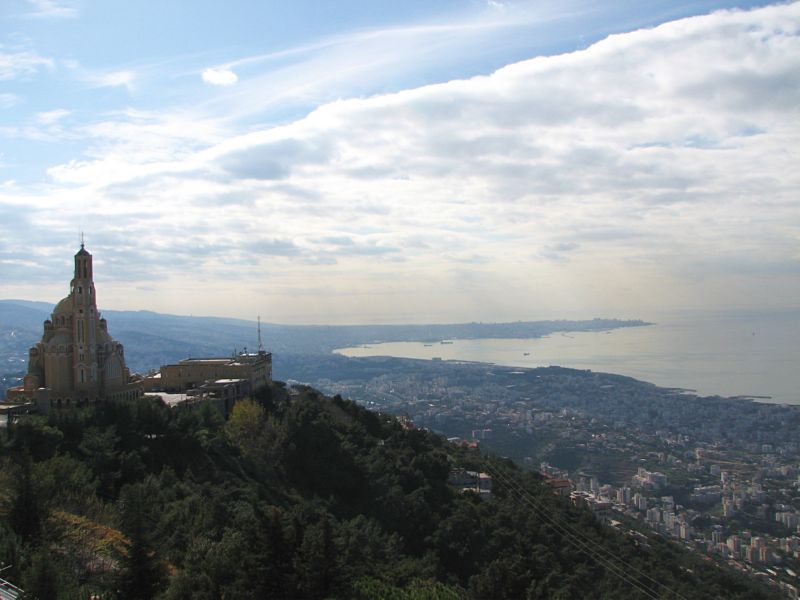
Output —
<point x="84" y="319"/>
<point x="82" y="283"/>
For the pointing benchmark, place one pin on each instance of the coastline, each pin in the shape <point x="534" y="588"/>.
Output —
<point x="744" y="357"/>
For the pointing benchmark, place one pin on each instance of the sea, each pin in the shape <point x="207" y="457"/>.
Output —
<point x="725" y="353"/>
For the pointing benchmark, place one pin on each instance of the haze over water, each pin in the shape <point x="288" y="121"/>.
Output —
<point x="726" y="354"/>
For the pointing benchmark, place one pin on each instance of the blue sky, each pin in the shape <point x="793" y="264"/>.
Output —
<point x="402" y="161"/>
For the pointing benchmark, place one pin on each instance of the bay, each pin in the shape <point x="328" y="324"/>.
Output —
<point x="755" y="354"/>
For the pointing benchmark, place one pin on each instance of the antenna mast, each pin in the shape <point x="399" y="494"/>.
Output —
<point x="260" y="345"/>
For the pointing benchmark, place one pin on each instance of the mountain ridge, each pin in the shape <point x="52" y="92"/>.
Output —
<point x="181" y="336"/>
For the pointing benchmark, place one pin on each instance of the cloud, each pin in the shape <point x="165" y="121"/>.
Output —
<point x="338" y="240"/>
<point x="274" y="247"/>
<point x="552" y="182"/>
<point x="52" y="116"/>
<point x="558" y="252"/>
<point x="496" y="4"/>
<point x="16" y="64"/>
<point x="271" y="158"/>
<point x="365" y="61"/>
<point x="8" y="100"/>
<point x="53" y="8"/>
<point x="123" y="78"/>
<point x="222" y="77"/>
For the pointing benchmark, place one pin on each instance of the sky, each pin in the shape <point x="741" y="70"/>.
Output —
<point x="403" y="162"/>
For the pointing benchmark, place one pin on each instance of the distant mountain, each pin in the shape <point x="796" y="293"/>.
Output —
<point x="152" y="339"/>
<point x="24" y="314"/>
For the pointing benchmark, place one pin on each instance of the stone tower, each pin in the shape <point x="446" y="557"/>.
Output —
<point x="77" y="361"/>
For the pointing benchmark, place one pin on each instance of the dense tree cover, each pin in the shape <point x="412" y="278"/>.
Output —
<point x="296" y="496"/>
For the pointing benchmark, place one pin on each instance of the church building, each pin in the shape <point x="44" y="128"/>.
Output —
<point x="77" y="361"/>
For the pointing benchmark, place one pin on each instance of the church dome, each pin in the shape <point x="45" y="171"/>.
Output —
<point x="64" y="307"/>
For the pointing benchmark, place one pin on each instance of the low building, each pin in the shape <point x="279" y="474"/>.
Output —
<point x="649" y="480"/>
<point x="193" y="373"/>
<point x="560" y="486"/>
<point x="472" y="481"/>
<point x="601" y="509"/>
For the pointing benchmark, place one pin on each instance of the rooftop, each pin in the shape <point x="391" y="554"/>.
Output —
<point x="207" y="361"/>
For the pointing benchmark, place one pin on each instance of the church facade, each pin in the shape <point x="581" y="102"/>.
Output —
<point x="77" y="362"/>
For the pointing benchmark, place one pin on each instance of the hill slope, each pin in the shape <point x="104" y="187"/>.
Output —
<point x="303" y="496"/>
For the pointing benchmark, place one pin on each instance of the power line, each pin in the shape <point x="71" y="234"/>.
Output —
<point x="597" y="552"/>
<point x="582" y="545"/>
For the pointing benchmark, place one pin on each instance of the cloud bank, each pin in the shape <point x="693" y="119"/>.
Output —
<point x="655" y="169"/>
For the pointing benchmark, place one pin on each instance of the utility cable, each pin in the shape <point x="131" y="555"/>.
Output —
<point x="597" y="552"/>
<point x="583" y="545"/>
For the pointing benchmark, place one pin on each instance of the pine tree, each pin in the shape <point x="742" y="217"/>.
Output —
<point x="143" y="575"/>
<point x="26" y="512"/>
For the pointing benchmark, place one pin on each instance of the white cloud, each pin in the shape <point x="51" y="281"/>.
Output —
<point x="52" y="116"/>
<point x="122" y="78"/>
<point x="577" y="182"/>
<point x="8" y="100"/>
<point x="496" y="4"/>
<point x="360" y="62"/>
<point x="15" y="64"/>
<point x="222" y="77"/>
<point x="53" y="8"/>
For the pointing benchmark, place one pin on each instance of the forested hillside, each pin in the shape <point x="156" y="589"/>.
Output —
<point x="302" y="496"/>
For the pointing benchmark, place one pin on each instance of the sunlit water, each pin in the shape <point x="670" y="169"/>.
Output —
<point x="711" y="353"/>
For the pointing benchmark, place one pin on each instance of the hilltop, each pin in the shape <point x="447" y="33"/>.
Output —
<point x="299" y="495"/>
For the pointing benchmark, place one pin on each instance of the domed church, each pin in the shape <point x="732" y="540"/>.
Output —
<point x="77" y="362"/>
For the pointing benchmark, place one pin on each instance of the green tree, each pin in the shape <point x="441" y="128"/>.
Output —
<point x="66" y="483"/>
<point x="26" y="513"/>
<point x="143" y="575"/>
<point x="32" y="435"/>
<point x="10" y="553"/>
<point x="316" y="560"/>
<point x="99" y="451"/>
<point x="40" y="580"/>
<point x="245" y="428"/>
